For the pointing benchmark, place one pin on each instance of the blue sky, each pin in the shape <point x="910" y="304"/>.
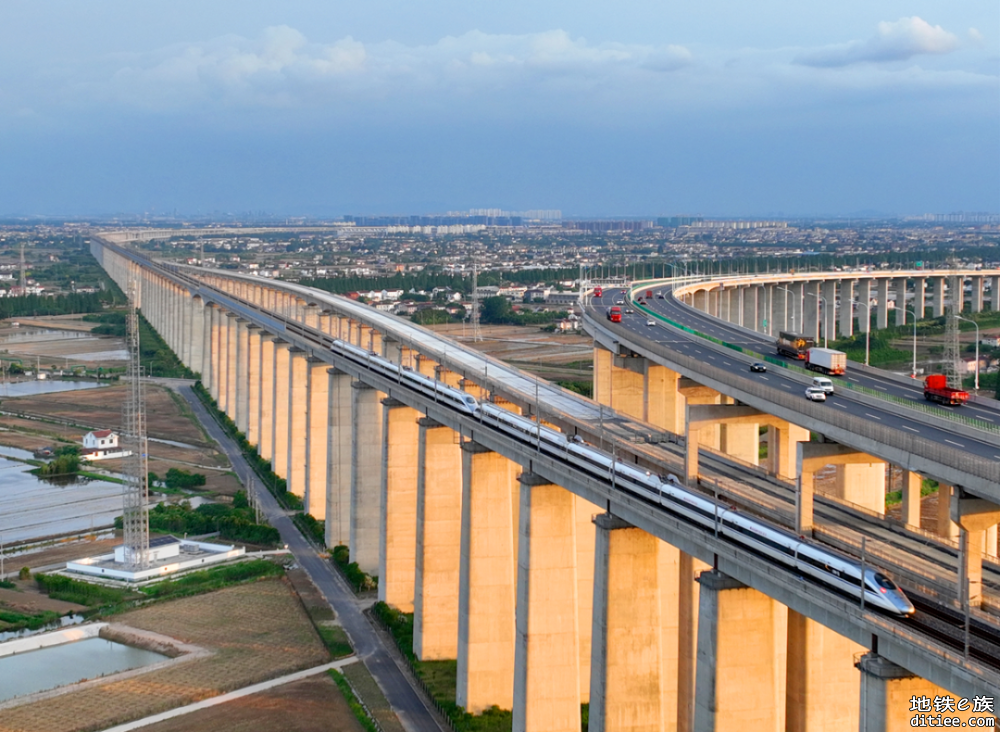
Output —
<point x="637" y="107"/>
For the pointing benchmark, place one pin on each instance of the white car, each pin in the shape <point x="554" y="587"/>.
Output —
<point x="650" y="322"/>
<point x="821" y="382"/>
<point x="815" y="394"/>
<point x="619" y="302"/>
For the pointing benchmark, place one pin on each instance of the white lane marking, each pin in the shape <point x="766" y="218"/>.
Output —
<point x="711" y="357"/>
<point x="867" y="414"/>
<point x="840" y="404"/>
<point x="881" y="388"/>
<point x="765" y="379"/>
<point x="727" y="363"/>
<point x="956" y="444"/>
<point x="785" y="386"/>
<point x="909" y="428"/>
<point x="850" y="379"/>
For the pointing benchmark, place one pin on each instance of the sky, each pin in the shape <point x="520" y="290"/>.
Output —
<point x="626" y="108"/>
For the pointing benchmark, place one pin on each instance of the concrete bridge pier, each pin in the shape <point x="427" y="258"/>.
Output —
<point x="254" y="334"/>
<point x="486" y="630"/>
<point x="782" y="450"/>
<point x="438" y="542"/>
<point x="398" y="518"/>
<point x="899" y="287"/>
<point x="634" y="658"/>
<point x="886" y="690"/>
<point x="218" y="316"/>
<point x="298" y="410"/>
<point x="265" y="440"/>
<point x="912" y="485"/>
<point x="546" y="657"/>
<point x="822" y="685"/>
<point x="242" y="382"/>
<point x="317" y="441"/>
<point x="232" y="356"/>
<point x="619" y="382"/>
<point x="976" y="304"/>
<point x="846" y="308"/>
<point x="919" y="296"/>
<point x="366" y="490"/>
<point x="829" y="307"/>
<point x="339" y="476"/>
<point x="279" y="432"/>
<point x="995" y="293"/>
<point x="741" y="658"/>
<point x="978" y="519"/>
<point x="861" y="487"/>
<point x="864" y="314"/>
<point x="937" y="298"/>
<point x="207" y="366"/>
<point x="750" y="318"/>
<point x="882" y="311"/>
<point x="810" y="310"/>
<point x="196" y="353"/>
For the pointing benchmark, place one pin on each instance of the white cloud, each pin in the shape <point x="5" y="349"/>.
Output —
<point x="283" y="65"/>
<point x="904" y="39"/>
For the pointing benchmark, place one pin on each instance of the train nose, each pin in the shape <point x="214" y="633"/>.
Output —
<point x="903" y="604"/>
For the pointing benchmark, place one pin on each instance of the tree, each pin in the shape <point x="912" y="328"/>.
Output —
<point x="496" y="310"/>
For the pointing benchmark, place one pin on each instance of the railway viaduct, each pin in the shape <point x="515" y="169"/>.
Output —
<point x="551" y="588"/>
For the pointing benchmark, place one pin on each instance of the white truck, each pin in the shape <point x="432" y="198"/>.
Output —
<point x="826" y="361"/>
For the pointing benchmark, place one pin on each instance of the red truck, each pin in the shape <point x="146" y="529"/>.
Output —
<point x="936" y="389"/>
<point x="615" y="314"/>
<point x="598" y="292"/>
<point x="649" y="294"/>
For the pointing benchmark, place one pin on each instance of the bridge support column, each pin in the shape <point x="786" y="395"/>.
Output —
<point x="311" y="315"/>
<point x="634" y="658"/>
<point x="265" y="443"/>
<point x="187" y="337"/>
<point x="937" y="297"/>
<point x="619" y="382"/>
<point x="398" y="518"/>
<point x="886" y="690"/>
<point x="232" y="358"/>
<point x="439" y="532"/>
<point x="218" y="360"/>
<point x="196" y="355"/>
<point x="882" y="311"/>
<point x="317" y="438"/>
<point x="486" y="581"/>
<point x="830" y="309"/>
<point x="919" y="297"/>
<point x="663" y="404"/>
<point x="958" y="294"/>
<point x="242" y="379"/>
<point x="912" y="485"/>
<point x="864" y="314"/>
<point x="742" y="441"/>
<point x="995" y="293"/>
<point x="899" y="287"/>
<point x="779" y="309"/>
<point x="810" y="307"/>
<point x="750" y="319"/>
<point x="339" y="468"/>
<point x="546" y="658"/>
<point x="978" y="520"/>
<point x="298" y="424"/>
<point x="846" y="308"/>
<point x="253" y="384"/>
<point x="741" y="657"/>
<point x="207" y="361"/>
<point x="822" y="686"/>
<point x="782" y="450"/>
<point x="862" y="484"/>
<point x="946" y="526"/>
<point x="977" y="293"/>
<point x="366" y="491"/>
<point x="279" y="433"/>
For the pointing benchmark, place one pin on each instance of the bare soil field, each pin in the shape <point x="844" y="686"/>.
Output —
<point x="311" y="705"/>
<point x="74" y="413"/>
<point x="257" y="631"/>
<point x="32" y="602"/>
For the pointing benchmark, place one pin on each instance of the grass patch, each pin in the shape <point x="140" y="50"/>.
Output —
<point x="13" y="621"/>
<point x="357" y="579"/>
<point x="439" y="678"/>
<point x="214" y="579"/>
<point x="335" y="640"/>
<point x="7" y="585"/>
<point x="360" y="713"/>
<point x="928" y="487"/>
<point x="311" y="527"/>
<point x="59" y="587"/>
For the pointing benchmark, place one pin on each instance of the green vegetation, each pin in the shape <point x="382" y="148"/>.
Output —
<point x="12" y="307"/>
<point x="14" y="621"/>
<point x="359" y="711"/>
<point x="62" y="466"/>
<point x="357" y="579"/>
<point x="214" y="579"/>
<point x="7" y="585"/>
<point x="316" y="530"/>
<point x="499" y="311"/>
<point x="235" y="523"/>
<point x="82" y="593"/>
<point x="586" y="388"/>
<point x="183" y="479"/>
<point x="927" y="487"/>
<point x="277" y="486"/>
<point x="439" y="677"/>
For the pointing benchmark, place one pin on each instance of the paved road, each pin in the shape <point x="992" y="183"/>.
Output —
<point x="845" y="400"/>
<point x="367" y="643"/>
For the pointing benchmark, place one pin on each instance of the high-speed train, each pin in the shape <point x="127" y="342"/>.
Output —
<point x="835" y="570"/>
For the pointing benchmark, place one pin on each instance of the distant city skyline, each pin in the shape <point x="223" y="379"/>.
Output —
<point x="320" y="109"/>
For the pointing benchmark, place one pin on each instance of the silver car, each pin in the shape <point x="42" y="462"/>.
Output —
<point x="815" y="394"/>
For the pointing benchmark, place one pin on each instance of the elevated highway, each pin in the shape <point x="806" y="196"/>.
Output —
<point x="431" y="500"/>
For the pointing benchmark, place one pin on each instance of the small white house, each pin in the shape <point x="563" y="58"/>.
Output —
<point x="102" y="445"/>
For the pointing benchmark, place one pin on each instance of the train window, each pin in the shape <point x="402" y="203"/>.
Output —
<point x="884" y="583"/>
